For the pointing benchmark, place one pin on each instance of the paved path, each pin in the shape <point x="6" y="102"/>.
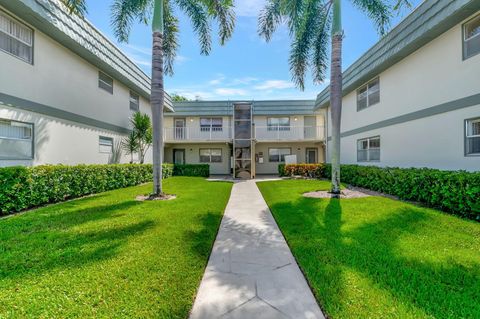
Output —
<point x="251" y="273"/>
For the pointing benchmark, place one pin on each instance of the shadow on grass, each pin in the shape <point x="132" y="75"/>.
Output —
<point x="315" y="231"/>
<point x="40" y="241"/>
<point x="201" y="240"/>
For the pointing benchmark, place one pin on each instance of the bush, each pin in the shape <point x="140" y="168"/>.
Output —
<point x="457" y="192"/>
<point x="27" y="187"/>
<point x="200" y="170"/>
<point x="281" y="170"/>
<point x="305" y="170"/>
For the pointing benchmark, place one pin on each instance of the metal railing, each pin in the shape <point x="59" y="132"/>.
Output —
<point x="198" y="134"/>
<point x="288" y="133"/>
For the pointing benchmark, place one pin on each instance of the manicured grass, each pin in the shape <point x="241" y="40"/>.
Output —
<point x="379" y="258"/>
<point x="110" y="256"/>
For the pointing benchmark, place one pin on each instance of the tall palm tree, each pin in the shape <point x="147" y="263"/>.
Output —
<point x="312" y="23"/>
<point x="161" y="15"/>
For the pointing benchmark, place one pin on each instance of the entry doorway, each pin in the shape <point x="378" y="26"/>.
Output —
<point x="311" y="155"/>
<point x="178" y="156"/>
<point x="180" y="127"/>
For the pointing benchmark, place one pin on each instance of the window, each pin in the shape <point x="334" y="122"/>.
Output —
<point x="16" y="38"/>
<point x="368" y="95"/>
<point x="211" y="155"/>
<point x="105" y="82"/>
<point x="134" y="101"/>
<point x="213" y="124"/>
<point x="106" y="144"/>
<point x="368" y="149"/>
<point x="278" y="123"/>
<point x="471" y="37"/>
<point x="472" y="137"/>
<point x="16" y="140"/>
<point x="277" y="155"/>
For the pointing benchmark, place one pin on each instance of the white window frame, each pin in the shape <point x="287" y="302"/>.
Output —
<point x="465" y="39"/>
<point x="467" y="136"/>
<point x="101" y="81"/>
<point x="30" y="138"/>
<point x="211" y="127"/>
<point x="210" y="155"/>
<point x="368" y="149"/>
<point x="15" y="38"/>
<point x="368" y="92"/>
<point x="278" y="127"/>
<point x="279" y="154"/>
<point x="100" y="144"/>
<point x="134" y="101"/>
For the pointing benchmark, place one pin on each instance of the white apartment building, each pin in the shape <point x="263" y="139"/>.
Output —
<point x="413" y="99"/>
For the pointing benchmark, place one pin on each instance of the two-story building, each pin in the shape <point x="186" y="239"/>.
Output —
<point x="413" y="99"/>
<point x="67" y="92"/>
<point x="244" y="138"/>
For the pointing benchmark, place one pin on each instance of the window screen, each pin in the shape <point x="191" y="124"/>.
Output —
<point x="16" y="38"/>
<point x="368" y="149"/>
<point x="472" y="138"/>
<point x="105" y="82"/>
<point x="16" y="140"/>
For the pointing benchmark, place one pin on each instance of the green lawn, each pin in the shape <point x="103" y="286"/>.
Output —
<point x="110" y="256"/>
<point x="379" y="258"/>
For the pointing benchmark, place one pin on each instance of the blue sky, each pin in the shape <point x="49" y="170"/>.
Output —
<point x="246" y="68"/>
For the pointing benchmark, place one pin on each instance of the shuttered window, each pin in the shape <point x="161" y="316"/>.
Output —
<point x="210" y="155"/>
<point x="105" y="144"/>
<point x="471" y="37"/>
<point x="368" y="149"/>
<point x="16" y="140"/>
<point x="16" y="38"/>
<point x="134" y="101"/>
<point x="472" y="137"/>
<point x="105" y="82"/>
<point x="368" y="95"/>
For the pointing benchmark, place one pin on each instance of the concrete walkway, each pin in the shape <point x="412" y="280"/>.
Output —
<point x="251" y="273"/>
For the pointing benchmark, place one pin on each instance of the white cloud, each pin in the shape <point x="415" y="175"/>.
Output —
<point x="230" y="92"/>
<point x="275" y="85"/>
<point x="248" y="8"/>
<point x="217" y="80"/>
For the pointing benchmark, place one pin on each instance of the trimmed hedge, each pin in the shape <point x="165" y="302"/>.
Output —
<point x="200" y="170"/>
<point x="281" y="170"/>
<point x="305" y="170"/>
<point x="27" y="187"/>
<point x="457" y="192"/>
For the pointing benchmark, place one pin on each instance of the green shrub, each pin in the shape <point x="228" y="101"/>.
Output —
<point x="200" y="170"/>
<point x="305" y="170"/>
<point x="457" y="192"/>
<point x="27" y="187"/>
<point x="281" y="170"/>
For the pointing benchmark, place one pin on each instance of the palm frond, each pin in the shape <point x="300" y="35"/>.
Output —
<point x="199" y="16"/>
<point x="321" y="45"/>
<point x="170" y="37"/>
<point x="377" y="10"/>
<point x="305" y="34"/>
<point x="269" y="19"/>
<point x="76" y="6"/>
<point x="124" y="13"/>
<point x="222" y="11"/>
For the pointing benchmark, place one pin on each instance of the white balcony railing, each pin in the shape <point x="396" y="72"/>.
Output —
<point x="198" y="134"/>
<point x="260" y="133"/>
<point x="288" y="133"/>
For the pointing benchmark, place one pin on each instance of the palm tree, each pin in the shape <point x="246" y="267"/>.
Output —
<point x="130" y="145"/>
<point x="311" y="24"/>
<point x="161" y="15"/>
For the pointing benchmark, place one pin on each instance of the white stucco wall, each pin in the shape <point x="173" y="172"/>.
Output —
<point x="433" y="75"/>
<point x="63" y="142"/>
<point x="62" y="80"/>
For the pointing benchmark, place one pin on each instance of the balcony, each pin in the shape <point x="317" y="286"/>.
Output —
<point x="197" y="134"/>
<point x="288" y="133"/>
<point x="260" y="134"/>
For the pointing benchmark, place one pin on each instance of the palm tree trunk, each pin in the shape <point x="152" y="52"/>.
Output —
<point x="336" y="94"/>
<point x="157" y="97"/>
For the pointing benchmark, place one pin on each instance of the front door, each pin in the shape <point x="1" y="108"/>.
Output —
<point x="178" y="156"/>
<point x="311" y="156"/>
<point x="310" y="129"/>
<point x="179" y="129"/>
